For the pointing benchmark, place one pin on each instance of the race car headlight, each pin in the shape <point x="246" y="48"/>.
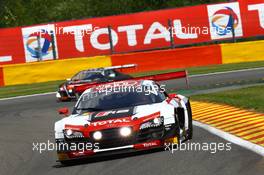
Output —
<point x="125" y="131"/>
<point x="70" y="90"/>
<point x="157" y="121"/>
<point x="152" y="123"/>
<point x="97" y="135"/>
<point x="69" y="132"/>
<point x="73" y="134"/>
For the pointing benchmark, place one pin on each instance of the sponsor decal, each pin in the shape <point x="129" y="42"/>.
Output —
<point x="101" y="114"/>
<point x="31" y="43"/>
<point x="111" y="114"/>
<point x="114" y="121"/>
<point x="151" y="144"/>
<point x="223" y="18"/>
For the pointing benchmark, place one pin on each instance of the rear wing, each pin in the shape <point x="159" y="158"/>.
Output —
<point x="165" y="76"/>
<point x="157" y="77"/>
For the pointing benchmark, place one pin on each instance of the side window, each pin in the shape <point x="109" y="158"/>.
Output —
<point x="82" y="75"/>
<point x="76" y="77"/>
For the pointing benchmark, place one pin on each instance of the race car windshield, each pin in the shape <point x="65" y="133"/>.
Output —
<point x="86" y="75"/>
<point x="102" y="101"/>
<point x="93" y="76"/>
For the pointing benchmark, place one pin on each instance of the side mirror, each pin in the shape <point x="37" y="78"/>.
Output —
<point x="64" y="111"/>
<point x="172" y="95"/>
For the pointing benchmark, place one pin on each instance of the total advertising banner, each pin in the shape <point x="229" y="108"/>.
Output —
<point x="132" y="32"/>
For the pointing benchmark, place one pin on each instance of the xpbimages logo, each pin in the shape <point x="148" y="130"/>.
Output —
<point x="63" y="146"/>
<point x="192" y="146"/>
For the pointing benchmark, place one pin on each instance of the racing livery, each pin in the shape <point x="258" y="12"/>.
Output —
<point x="67" y="90"/>
<point x="123" y="116"/>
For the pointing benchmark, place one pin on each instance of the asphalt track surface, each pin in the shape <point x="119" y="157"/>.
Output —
<point x="25" y="121"/>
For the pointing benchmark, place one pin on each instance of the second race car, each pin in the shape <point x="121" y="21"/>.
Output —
<point x="88" y="78"/>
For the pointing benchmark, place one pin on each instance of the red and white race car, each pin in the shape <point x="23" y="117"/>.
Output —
<point x="122" y="116"/>
<point x="87" y="78"/>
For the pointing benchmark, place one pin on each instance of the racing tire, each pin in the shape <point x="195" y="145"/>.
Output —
<point x="189" y="132"/>
<point x="177" y="123"/>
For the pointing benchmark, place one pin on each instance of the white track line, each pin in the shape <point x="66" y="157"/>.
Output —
<point x="226" y="72"/>
<point x="231" y="138"/>
<point x="25" y="96"/>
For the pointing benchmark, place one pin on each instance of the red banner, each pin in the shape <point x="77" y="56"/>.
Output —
<point x="132" y="32"/>
<point x="171" y="59"/>
<point x="11" y="46"/>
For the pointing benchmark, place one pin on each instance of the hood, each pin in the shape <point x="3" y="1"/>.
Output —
<point x="132" y="112"/>
<point x="122" y="116"/>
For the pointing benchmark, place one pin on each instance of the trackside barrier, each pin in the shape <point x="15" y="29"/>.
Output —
<point x="50" y="70"/>
<point x="242" y="52"/>
<point x="171" y="59"/>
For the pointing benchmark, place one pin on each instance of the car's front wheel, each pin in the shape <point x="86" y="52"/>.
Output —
<point x="189" y="132"/>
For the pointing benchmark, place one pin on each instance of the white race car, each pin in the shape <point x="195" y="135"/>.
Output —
<point x="121" y="117"/>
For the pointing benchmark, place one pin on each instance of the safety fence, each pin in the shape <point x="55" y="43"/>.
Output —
<point x="146" y="61"/>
